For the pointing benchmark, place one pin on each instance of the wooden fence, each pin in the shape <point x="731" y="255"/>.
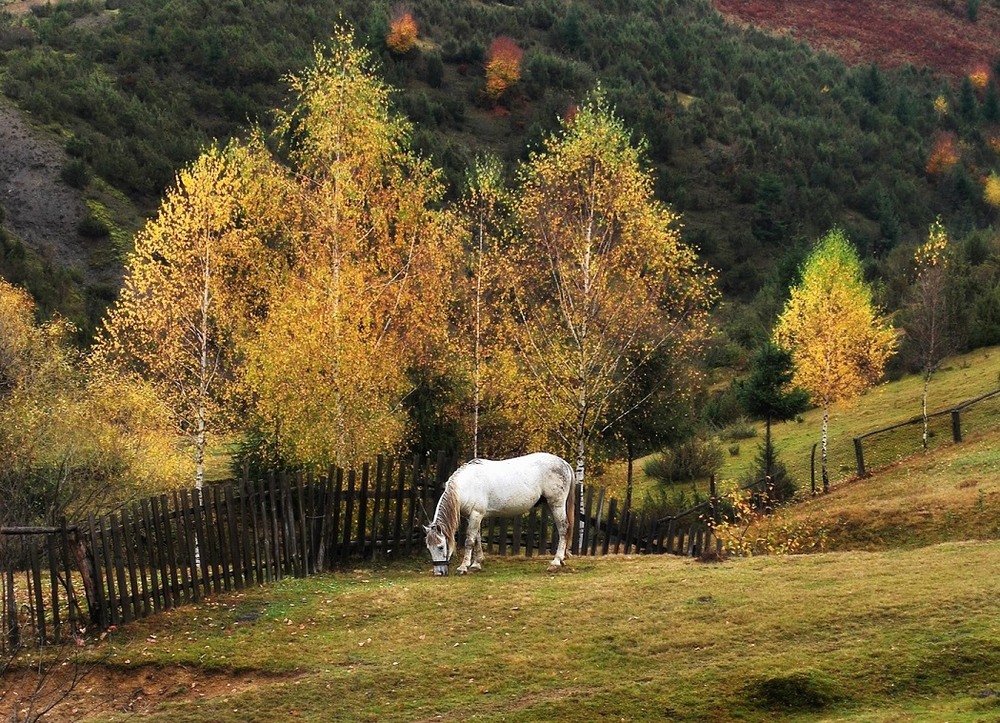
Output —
<point x="180" y="547"/>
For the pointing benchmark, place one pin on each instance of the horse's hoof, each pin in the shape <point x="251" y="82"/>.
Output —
<point x="553" y="568"/>
<point x="476" y="567"/>
<point x="461" y="570"/>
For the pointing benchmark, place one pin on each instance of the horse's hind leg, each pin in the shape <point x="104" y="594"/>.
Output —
<point x="562" y="527"/>
<point x="471" y="535"/>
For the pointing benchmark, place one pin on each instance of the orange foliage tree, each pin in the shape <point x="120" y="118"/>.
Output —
<point x="503" y="66"/>
<point x="980" y="77"/>
<point x="943" y="156"/>
<point x="402" y="33"/>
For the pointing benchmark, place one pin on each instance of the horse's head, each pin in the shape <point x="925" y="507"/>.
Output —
<point x="437" y="542"/>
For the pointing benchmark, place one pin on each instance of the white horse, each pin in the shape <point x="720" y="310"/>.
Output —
<point x="484" y="488"/>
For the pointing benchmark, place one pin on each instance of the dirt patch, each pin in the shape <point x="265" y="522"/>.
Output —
<point x="40" y="209"/>
<point x="20" y="8"/>
<point x="106" y="692"/>
<point x="889" y="33"/>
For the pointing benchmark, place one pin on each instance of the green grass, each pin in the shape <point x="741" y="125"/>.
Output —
<point x="964" y="377"/>
<point x="896" y="635"/>
<point x="961" y="378"/>
<point x="900" y="621"/>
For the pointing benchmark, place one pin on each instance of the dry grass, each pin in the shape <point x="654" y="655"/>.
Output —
<point x="952" y="494"/>
<point x="897" y="635"/>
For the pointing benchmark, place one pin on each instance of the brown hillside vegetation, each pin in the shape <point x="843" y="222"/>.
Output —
<point x="891" y="33"/>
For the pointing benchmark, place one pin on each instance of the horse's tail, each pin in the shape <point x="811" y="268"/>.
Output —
<point x="570" y="509"/>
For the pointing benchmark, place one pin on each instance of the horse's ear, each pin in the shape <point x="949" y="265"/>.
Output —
<point x="427" y="529"/>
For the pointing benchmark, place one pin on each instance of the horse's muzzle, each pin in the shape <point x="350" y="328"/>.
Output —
<point x="441" y="569"/>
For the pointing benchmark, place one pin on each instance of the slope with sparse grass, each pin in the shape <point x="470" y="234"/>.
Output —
<point x="960" y="378"/>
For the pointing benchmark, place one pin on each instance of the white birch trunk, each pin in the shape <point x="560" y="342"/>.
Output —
<point x="826" y="426"/>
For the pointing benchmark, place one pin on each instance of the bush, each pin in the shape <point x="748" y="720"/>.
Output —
<point x="692" y="459"/>
<point x="92" y="227"/>
<point x="668" y="502"/>
<point x="75" y="173"/>
<point x="752" y="524"/>
<point x="740" y="429"/>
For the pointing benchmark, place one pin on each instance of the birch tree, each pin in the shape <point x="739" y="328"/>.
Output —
<point x="486" y="200"/>
<point x="368" y="282"/>
<point x="928" y="319"/>
<point x="839" y="341"/>
<point x="600" y="281"/>
<point x="174" y="321"/>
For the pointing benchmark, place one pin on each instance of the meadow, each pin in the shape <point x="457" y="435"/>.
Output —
<point x="895" y="635"/>
<point x="897" y="621"/>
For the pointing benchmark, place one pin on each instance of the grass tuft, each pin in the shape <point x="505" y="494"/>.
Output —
<point x="801" y="690"/>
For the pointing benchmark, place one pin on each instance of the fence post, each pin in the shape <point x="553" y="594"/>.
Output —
<point x="859" y="455"/>
<point x="13" y="631"/>
<point x="956" y="425"/>
<point x="812" y="468"/>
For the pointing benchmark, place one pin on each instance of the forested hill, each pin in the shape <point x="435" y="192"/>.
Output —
<point x="759" y="142"/>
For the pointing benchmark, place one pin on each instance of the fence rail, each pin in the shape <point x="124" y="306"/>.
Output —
<point x="888" y="445"/>
<point x="176" y="548"/>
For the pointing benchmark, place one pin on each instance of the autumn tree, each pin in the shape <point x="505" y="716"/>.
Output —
<point x="186" y="283"/>
<point x="943" y="156"/>
<point x="599" y="282"/>
<point x="72" y="443"/>
<point x="838" y="340"/>
<point x="928" y="317"/>
<point x="484" y="208"/>
<point x="991" y="190"/>
<point x="362" y="309"/>
<point x="503" y="66"/>
<point x="402" y="32"/>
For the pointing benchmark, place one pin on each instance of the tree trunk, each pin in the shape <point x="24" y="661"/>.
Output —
<point x="923" y="404"/>
<point x="768" y="449"/>
<point x="628" y="478"/>
<point x="581" y="467"/>
<point x="823" y="457"/>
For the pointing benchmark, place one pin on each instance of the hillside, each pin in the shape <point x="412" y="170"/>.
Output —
<point x="760" y="143"/>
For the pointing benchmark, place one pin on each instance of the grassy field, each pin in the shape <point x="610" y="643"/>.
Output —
<point x="900" y="635"/>
<point x="961" y="378"/>
<point x="898" y="621"/>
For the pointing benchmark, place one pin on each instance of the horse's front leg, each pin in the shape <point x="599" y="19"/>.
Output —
<point x="471" y="533"/>
<point x="477" y="555"/>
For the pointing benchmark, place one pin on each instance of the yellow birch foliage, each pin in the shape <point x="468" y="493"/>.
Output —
<point x="188" y="288"/>
<point x="839" y="342"/>
<point x="600" y="280"/>
<point x="991" y="190"/>
<point x="368" y="281"/>
<point x="71" y="443"/>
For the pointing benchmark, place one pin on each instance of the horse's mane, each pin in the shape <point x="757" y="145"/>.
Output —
<point x="448" y="512"/>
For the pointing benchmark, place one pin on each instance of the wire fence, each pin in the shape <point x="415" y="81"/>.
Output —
<point x="888" y="445"/>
